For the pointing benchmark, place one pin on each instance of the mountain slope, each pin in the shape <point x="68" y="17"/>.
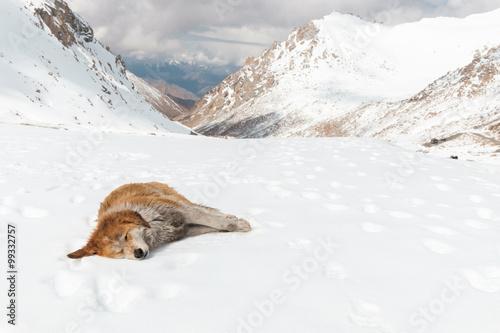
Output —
<point x="157" y="99"/>
<point x="464" y="101"/>
<point x="56" y="74"/>
<point x="178" y="94"/>
<point x="333" y="67"/>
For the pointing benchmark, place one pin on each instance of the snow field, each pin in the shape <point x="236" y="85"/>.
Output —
<point x="349" y="235"/>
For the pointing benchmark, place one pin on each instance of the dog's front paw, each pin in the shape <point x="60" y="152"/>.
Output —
<point x="236" y="224"/>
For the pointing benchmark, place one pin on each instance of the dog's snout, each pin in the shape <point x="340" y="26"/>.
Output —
<point x="139" y="253"/>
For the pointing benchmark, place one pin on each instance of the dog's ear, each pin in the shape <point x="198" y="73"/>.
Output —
<point x="83" y="252"/>
<point x="138" y="220"/>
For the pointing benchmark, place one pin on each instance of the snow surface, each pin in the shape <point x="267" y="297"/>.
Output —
<point x="349" y="235"/>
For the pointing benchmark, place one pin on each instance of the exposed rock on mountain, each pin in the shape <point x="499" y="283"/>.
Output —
<point x="64" y="24"/>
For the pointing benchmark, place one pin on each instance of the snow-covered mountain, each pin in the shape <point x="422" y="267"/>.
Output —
<point x="156" y="98"/>
<point x="342" y="76"/>
<point x="55" y="73"/>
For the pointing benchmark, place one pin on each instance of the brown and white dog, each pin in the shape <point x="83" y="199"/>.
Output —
<point x="137" y="218"/>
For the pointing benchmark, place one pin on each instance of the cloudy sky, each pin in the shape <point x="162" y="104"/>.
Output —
<point x="229" y="31"/>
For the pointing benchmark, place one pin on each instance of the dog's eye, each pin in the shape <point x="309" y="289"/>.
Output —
<point x="126" y="237"/>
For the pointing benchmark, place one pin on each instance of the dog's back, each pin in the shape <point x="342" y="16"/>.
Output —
<point x="143" y="194"/>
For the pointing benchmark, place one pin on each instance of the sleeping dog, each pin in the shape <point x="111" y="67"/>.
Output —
<point x="137" y="218"/>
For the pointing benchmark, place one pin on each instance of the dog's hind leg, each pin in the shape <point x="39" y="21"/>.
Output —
<point x="213" y="218"/>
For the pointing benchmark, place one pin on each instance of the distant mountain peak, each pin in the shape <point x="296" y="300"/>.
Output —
<point x="197" y="78"/>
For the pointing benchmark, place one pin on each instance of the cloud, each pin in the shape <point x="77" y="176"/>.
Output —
<point x="228" y="31"/>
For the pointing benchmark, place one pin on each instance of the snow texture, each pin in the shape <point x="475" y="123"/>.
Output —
<point x="349" y="235"/>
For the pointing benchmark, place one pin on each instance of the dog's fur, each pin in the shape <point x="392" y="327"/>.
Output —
<point x="137" y="218"/>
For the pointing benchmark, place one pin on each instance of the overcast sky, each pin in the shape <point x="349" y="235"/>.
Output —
<point x="229" y="31"/>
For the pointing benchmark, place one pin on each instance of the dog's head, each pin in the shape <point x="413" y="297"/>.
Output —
<point x="118" y="235"/>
